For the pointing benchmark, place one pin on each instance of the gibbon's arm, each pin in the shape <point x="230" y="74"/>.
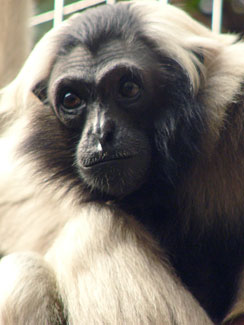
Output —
<point x="109" y="271"/>
<point x="28" y="293"/>
<point x="14" y="37"/>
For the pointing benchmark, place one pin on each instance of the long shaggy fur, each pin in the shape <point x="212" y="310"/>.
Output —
<point x="94" y="262"/>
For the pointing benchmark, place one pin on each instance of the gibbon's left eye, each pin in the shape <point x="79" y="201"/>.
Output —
<point x="129" y="89"/>
<point x="70" y="102"/>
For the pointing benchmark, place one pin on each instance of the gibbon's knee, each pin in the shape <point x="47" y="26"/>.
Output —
<point x="28" y="293"/>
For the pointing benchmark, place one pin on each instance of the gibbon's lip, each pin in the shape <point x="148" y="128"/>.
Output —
<point x="104" y="159"/>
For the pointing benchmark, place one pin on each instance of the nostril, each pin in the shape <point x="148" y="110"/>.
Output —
<point x="107" y="132"/>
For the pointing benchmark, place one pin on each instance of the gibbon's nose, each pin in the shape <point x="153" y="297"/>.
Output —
<point x="105" y="134"/>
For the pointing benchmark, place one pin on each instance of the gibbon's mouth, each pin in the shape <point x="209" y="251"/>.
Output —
<point x="104" y="159"/>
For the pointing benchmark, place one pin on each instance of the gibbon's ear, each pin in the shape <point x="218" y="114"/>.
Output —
<point x="199" y="55"/>
<point x="40" y="90"/>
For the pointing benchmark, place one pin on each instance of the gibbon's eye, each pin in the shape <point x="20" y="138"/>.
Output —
<point x="129" y="89"/>
<point x="71" y="102"/>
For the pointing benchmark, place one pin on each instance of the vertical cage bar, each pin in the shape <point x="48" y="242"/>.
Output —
<point x="58" y="12"/>
<point x="217" y="15"/>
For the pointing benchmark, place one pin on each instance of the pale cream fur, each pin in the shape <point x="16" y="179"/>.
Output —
<point x="117" y="273"/>
<point x="93" y="259"/>
<point x="29" y="292"/>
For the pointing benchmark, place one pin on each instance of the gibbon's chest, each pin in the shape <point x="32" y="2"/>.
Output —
<point x="209" y="266"/>
<point x="208" y="262"/>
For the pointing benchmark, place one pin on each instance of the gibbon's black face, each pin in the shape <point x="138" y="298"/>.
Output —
<point x="113" y="110"/>
<point x="104" y="98"/>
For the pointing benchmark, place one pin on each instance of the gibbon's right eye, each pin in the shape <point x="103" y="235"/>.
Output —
<point x="129" y="89"/>
<point x="71" y="103"/>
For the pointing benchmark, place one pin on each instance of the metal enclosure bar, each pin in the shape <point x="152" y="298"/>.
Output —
<point x="58" y="12"/>
<point x="217" y="15"/>
<point x="61" y="10"/>
<point x="65" y="10"/>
